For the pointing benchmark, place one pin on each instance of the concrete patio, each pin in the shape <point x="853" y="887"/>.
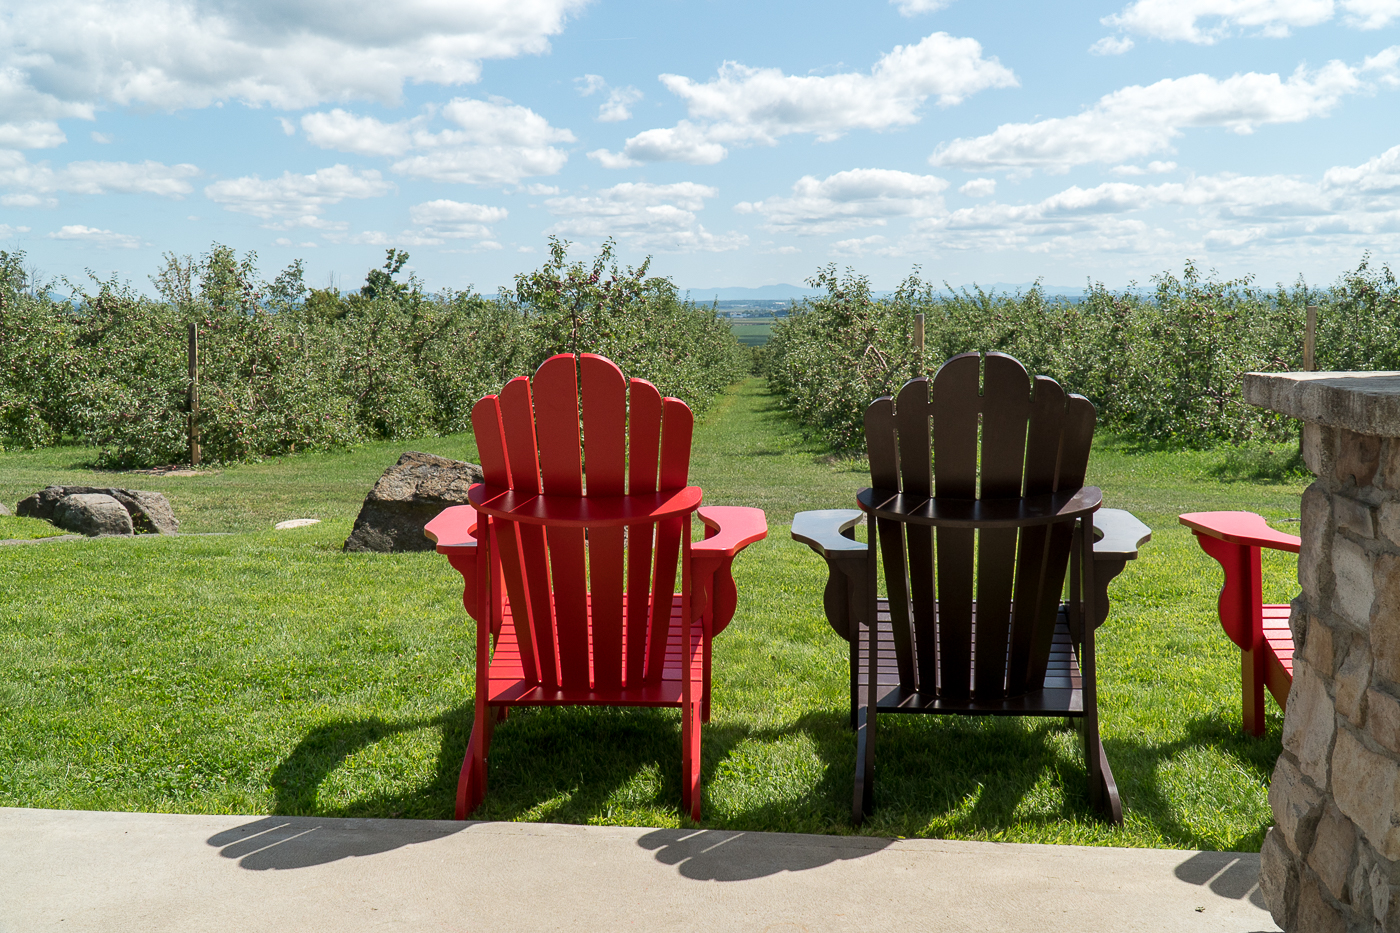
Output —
<point x="74" y="870"/>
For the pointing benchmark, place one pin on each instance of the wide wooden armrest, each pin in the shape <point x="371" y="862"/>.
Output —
<point x="453" y="528"/>
<point x="946" y="512"/>
<point x="583" y="511"/>
<point x="731" y="528"/>
<point x="1247" y="528"/>
<point x="822" y="531"/>
<point x="1121" y="534"/>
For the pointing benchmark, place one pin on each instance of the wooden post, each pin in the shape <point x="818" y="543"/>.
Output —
<point x="919" y="334"/>
<point x="1310" y="341"/>
<point x="194" y="394"/>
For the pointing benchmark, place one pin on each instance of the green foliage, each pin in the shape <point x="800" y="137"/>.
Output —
<point x="1164" y="368"/>
<point x="640" y="323"/>
<point x="283" y="368"/>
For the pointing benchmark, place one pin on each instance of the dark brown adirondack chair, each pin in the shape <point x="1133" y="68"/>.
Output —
<point x="979" y="506"/>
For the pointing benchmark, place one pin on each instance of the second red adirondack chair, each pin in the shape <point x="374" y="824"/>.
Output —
<point x="1261" y="631"/>
<point x="572" y="586"/>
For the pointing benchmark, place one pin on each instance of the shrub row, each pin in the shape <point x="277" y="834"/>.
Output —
<point x="1163" y="366"/>
<point x="286" y="368"/>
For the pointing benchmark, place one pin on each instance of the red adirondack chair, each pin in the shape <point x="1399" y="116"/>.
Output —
<point x="1261" y="631"/>
<point x="575" y="585"/>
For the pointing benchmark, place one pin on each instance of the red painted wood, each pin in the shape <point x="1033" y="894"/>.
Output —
<point x="604" y="410"/>
<point x="587" y="512"/>
<point x="532" y="568"/>
<point x="1234" y="539"/>
<point x="1248" y="528"/>
<point x="553" y="597"/>
<point x="643" y="449"/>
<point x="556" y="396"/>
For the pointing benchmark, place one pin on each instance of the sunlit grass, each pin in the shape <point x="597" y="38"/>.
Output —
<point x="270" y="672"/>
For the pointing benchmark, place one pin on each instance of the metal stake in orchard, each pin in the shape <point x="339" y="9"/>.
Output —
<point x="194" y="394"/>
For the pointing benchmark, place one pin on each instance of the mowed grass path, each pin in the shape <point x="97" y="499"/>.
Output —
<point x="269" y="672"/>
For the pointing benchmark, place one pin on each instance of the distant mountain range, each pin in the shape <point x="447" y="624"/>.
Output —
<point x="785" y="292"/>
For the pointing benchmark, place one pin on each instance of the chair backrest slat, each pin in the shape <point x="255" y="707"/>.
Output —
<point x="677" y="427"/>
<point x="555" y="391"/>
<point x="603" y="389"/>
<point x="1033" y="573"/>
<point x="883" y="449"/>
<point x="995" y="434"/>
<point x="955" y="406"/>
<point x="1006" y="403"/>
<point x="916" y="479"/>
<point x="643" y="450"/>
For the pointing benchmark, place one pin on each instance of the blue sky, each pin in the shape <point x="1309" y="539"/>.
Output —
<point x="739" y="144"/>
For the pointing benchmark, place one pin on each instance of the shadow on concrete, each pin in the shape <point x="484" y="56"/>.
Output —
<point x="721" y="855"/>
<point x="1227" y="874"/>
<point x="281" y="842"/>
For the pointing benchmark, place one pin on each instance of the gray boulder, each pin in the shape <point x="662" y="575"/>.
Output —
<point x="409" y="495"/>
<point x="149" y="511"/>
<point x="4" y="512"/>
<point x="92" y="514"/>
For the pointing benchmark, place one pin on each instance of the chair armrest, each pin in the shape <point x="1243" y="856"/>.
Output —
<point x="821" y="531"/>
<point x="1121" y="534"/>
<point x="728" y="530"/>
<point x="453" y="527"/>
<point x="1246" y="528"/>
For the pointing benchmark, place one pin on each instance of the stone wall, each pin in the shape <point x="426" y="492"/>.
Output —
<point x="1332" y="860"/>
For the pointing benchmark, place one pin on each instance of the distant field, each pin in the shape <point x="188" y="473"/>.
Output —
<point x="753" y="331"/>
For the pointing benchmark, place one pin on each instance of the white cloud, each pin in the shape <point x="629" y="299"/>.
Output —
<point x="147" y="177"/>
<point x="617" y="106"/>
<point x="660" y="217"/>
<point x="979" y="188"/>
<point x="31" y="134"/>
<point x="102" y="138"/>
<point x="68" y="58"/>
<point x="1385" y="65"/>
<point x="455" y="220"/>
<point x="1349" y="208"/>
<point x="538" y="190"/>
<point x="1208" y="21"/>
<point x="101" y="238"/>
<point x="860" y="197"/>
<point x="493" y="143"/>
<point x="1371" y="14"/>
<point x="1138" y="121"/>
<point x="760" y="105"/>
<point x="1152" y="168"/>
<point x="27" y="200"/>
<point x="915" y="7"/>
<point x="297" y="200"/>
<point x="1111" y="45"/>
<point x="344" y="131"/>
<point x="6" y="231"/>
<point x="857" y="247"/>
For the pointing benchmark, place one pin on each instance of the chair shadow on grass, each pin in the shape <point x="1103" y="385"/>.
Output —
<point x="936" y="776"/>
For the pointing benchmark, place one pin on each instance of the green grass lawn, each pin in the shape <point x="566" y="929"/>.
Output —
<point x="752" y="332"/>
<point x="270" y="672"/>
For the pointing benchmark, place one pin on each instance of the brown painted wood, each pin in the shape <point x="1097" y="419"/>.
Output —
<point x="1046" y="424"/>
<point x="881" y="438"/>
<point x="1006" y="397"/>
<point x="956" y="406"/>
<point x="916" y="480"/>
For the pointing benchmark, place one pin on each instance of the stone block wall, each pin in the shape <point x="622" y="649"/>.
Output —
<point x="1331" y="863"/>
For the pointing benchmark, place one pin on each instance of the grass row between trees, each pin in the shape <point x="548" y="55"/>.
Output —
<point x="270" y="672"/>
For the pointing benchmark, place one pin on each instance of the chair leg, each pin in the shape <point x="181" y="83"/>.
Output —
<point x="690" y="760"/>
<point x="862" y="801"/>
<point x="1252" y="699"/>
<point x="471" y="782"/>
<point x="1103" y="789"/>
